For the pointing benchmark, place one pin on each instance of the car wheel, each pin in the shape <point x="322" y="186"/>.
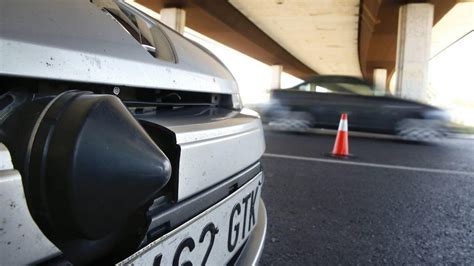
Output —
<point x="420" y="130"/>
<point x="292" y="121"/>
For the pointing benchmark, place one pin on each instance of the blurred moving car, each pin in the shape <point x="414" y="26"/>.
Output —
<point x="319" y="102"/>
<point x="121" y="142"/>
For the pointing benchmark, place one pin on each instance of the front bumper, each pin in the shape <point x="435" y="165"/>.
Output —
<point x="235" y="246"/>
<point x="252" y="250"/>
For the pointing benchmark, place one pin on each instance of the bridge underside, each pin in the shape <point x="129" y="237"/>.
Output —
<point x="349" y="37"/>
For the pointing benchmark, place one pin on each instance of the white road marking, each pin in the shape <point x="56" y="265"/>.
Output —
<point x="333" y="132"/>
<point x="386" y="166"/>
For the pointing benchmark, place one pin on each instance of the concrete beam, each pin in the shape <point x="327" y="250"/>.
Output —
<point x="174" y="18"/>
<point x="413" y="50"/>
<point x="380" y="80"/>
<point x="276" y="76"/>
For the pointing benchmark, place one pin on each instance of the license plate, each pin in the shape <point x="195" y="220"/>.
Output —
<point x="212" y="237"/>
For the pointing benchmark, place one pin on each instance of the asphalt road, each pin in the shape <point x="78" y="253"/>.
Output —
<point x="394" y="203"/>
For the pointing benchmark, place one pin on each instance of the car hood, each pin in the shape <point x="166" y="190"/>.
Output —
<point x="76" y="41"/>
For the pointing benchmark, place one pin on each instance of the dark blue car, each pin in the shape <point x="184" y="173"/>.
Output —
<point x="319" y="102"/>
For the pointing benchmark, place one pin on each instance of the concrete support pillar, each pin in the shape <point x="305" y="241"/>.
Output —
<point x="380" y="80"/>
<point x="174" y="18"/>
<point x="276" y="76"/>
<point x="413" y="50"/>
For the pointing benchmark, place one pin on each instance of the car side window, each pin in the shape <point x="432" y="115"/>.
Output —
<point x="338" y="87"/>
<point x="354" y="88"/>
<point x="321" y="89"/>
<point x="313" y="87"/>
<point x="305" y="87"/>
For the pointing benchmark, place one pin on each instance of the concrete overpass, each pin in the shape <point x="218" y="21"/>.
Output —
<point x="306" y="38"/>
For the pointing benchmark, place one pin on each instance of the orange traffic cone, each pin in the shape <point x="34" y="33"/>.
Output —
<point x="341" y="146"/>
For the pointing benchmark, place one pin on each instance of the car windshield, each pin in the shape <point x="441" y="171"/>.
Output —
<point x="337" y="87"/>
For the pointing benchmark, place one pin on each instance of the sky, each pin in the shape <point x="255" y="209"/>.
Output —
<point x="452" y="79"/>
<point x="451" y="67"/>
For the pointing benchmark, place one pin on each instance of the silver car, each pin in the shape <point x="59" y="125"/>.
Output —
<point x="121" y="142"/>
